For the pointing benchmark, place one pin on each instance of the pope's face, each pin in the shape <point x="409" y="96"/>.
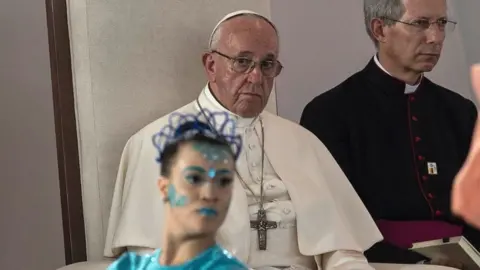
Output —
<point x="198" y="189"/>
<point x="245" y="39"/>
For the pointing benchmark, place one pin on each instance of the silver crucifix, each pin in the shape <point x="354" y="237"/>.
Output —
<point x="262" y="225"/>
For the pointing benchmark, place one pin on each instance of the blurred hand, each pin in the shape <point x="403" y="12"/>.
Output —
<point x="466" y="187"/>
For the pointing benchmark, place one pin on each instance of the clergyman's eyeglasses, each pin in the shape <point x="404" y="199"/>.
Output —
<point x="443" y="24"/>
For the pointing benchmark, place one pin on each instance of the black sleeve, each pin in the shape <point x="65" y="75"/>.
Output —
<point x="472" y="235"/>
<point x="325" y="119"/>
<point x="473" y="114"/>
<point x="384" y="252"/>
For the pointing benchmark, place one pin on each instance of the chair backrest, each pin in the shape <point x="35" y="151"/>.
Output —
<point x="133" y="62"/>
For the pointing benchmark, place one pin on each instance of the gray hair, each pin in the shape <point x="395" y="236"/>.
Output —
<point x="380" y="9"/>
<point x="218" y="31"/>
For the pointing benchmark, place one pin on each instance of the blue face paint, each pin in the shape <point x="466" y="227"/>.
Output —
<point x="212" y="153"/>
<point x="223" y="172"/>
<point x="207" y="211"/>
<point x="175" y="199"/>
<point x="195" y="175"/>
<point x="211" y="173"/>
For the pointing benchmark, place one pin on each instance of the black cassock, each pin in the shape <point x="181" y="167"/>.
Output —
<point x="400" y="152"/>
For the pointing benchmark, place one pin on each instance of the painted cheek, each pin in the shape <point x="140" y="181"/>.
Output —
<point x="175" y="199"/>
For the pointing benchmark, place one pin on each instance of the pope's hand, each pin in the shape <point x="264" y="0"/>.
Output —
<point x="466" y="187"/>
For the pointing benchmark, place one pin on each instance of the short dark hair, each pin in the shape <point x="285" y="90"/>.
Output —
<point x="170" y="152"/>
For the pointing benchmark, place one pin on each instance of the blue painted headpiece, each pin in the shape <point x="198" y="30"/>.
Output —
<point x="187" y="126"/>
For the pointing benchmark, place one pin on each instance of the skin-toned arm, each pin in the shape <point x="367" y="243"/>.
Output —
<point x="466" y="187"/>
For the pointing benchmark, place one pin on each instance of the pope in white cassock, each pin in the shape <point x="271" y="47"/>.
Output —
<point x="292" y="206"/>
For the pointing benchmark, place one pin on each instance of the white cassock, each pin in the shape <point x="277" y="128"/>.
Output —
<point x="316" y="209"/>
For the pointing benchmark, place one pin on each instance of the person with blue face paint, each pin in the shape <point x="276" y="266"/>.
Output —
<point x="197" y="172"/>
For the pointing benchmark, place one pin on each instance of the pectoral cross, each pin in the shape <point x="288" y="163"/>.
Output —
<point x="262" y="225"/>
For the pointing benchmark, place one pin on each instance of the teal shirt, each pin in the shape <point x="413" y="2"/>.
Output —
<point x="214" y="258"/>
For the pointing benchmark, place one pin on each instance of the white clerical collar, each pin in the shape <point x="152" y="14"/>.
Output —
<point x="408" y="88"/>
<point x="209" y="102"/>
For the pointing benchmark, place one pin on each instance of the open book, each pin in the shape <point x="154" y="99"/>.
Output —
<point x="456" y="248"/>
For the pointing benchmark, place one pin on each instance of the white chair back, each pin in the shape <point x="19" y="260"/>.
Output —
<point x="133" y="62"/>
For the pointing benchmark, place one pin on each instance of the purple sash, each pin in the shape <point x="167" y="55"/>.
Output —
<point x="404" y="234"/>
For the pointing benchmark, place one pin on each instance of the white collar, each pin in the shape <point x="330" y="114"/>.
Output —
<point x="408" y="88"/>
<point x="208" y="101"/>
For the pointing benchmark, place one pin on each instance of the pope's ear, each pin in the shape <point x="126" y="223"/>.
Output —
<point x="162" y="184"/>
<point x="209" y="65"/>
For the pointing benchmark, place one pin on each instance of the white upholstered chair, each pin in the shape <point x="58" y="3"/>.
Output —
<point x="133" y="62"/>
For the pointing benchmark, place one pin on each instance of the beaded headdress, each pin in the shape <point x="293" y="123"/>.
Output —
<point x="217" y="125"/>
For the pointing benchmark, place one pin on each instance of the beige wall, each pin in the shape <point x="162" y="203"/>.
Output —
<point x="469" y="22"/>
<point x="30" y="216"/>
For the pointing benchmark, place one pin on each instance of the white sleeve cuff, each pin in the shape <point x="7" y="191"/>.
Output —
<point x="345" y="260"/>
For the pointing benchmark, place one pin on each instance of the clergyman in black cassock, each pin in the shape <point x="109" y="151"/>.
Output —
<point x="400" y="151"/>
<point x="400" y="144"/>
